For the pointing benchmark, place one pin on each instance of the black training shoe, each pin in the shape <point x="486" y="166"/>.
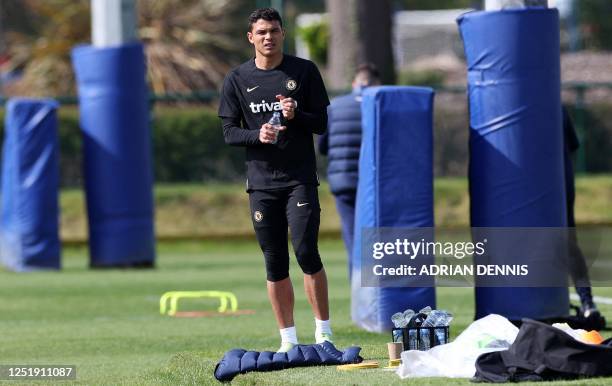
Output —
<point x="588" y="309"/>
<point x="593" y="317"/>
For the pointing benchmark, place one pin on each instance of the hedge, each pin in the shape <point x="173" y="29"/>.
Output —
<point x="188" y="143"/>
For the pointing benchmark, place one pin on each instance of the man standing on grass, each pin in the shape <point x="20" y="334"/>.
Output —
<point x="281" y="166"/>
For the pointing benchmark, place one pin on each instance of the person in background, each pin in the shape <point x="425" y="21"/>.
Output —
<point x="341" y="143"/>
<point x="577" y="261"/>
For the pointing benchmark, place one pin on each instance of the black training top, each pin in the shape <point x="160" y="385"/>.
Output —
<point x="248" y="100"/>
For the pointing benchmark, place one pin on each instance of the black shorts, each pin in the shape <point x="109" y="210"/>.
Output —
<point x="273" y="212"/>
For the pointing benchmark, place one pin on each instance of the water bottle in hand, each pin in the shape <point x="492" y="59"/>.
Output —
<point x="275" y="121"/>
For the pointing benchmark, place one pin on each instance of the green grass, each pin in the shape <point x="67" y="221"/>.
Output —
<point x="221" y="209"/>
<point x="107" y="322"/>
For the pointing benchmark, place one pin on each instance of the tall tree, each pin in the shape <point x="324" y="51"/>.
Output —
<point x="190" y="44"/>
<point x="342" y="51"/>
<point x="374" y="38"/>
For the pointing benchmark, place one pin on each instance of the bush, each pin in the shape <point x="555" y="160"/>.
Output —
<point x="187" y="146"/>
<point x="316" y="36"/>
<point x="429" y="78"/>
<point x="69" y="137"/>
<point x="188" y="143"/>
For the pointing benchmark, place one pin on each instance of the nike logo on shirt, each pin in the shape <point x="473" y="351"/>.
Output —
<point x="301" y="203"/>
<point x="249" y="89"/>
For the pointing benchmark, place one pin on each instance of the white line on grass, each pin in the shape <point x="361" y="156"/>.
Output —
<point x="597" y="299"/>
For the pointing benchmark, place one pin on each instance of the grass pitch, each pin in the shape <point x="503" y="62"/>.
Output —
<point x="107" y="322"/>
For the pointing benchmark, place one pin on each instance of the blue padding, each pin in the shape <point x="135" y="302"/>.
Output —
<point x="239" y="361"/>
<point x="113" y="102"/>
<point x="395" y="190"/>
<point x="29" y="237"/>
<point x="516" y="146"/>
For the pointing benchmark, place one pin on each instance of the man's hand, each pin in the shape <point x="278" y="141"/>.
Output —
<point x="289" y="105"/>
<point x="267" y="134"/>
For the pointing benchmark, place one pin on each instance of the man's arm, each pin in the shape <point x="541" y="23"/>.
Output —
<point x="313" y="121"/>
<point x="237" y="136"/>
<point x="312" y="115"/>
<point x="230" y="114"/>
<point x="324" y="143"/>
<point x="316" y="122"/>
<point x="324" y="138"/>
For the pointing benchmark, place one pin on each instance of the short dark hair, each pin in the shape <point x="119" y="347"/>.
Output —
<point x="268" y="14"/>
<point x="369" y="72"/>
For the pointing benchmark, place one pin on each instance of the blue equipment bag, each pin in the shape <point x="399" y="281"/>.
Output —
<point x="30" y="182"/>
<point x="395" y="190"/>
<point x="114" y="109"/>
<point x="516" y="167"/>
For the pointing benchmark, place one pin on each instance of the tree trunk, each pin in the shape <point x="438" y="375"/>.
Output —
<point x="341" y="53"/>
<point x="374" y="38"/>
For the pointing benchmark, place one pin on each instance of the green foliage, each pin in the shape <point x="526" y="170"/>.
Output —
<point x="316" y="36"/>
<point x="438" y="4"/>
<point x="69" y="138"/>
<point x="594" y="129"/>
<point x="421" y="78"/>
<point x="190" y="44"/>
<point x="188" y="145"/>
<point x="70" y="143"/>
<point x="596" y="20"/>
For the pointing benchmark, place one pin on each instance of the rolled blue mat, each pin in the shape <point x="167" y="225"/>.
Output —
<point x="240" y="361"/>
<point x="395" y="191"/>
<point x="516" y="147"/>
<point x="114" y="116"/>
<point x="29" y="235"/>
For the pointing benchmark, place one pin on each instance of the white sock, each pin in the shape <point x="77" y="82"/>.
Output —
<point x="322" y="327"/>
<point x="289" y="334"/>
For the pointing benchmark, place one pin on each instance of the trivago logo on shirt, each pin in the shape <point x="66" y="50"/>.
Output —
<point x="265" y="107"/>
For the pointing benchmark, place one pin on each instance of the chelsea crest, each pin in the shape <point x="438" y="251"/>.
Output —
<point x="290" y="84"/>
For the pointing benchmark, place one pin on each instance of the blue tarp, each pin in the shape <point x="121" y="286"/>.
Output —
<point x="516" y="146"/>
<point x="114" y="109"/>
<point x="30" y="182"/>
<point x="395" y="190"/>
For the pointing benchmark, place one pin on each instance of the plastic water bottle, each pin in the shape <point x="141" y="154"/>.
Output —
<point x="275" y="121"/>
<point x="412" y="339"/>
<point x="424" y="343"/>
<point x="438" y="318"/>
<point x="425" y="310"/>
<point x="398" y="320"/>
<point x="398" y="335"/>
<point x="408" y="314"/>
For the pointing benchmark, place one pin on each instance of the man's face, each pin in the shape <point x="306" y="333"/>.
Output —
<point x="267" y="37"/>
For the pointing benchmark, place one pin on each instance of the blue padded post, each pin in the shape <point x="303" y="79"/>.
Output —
<point x="516" y="146"/>
<point x="113" y="102"/>
<point x="30" y="181"/>
<point x="395" y="190"/>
